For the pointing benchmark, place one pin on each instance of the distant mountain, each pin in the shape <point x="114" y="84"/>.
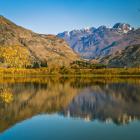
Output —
<point x="44" y="48"/>
<point x="106" y="45"/>
<point x="122" y="28"/>
<point x="92" y="43"/>
<point x="129" y="57"/>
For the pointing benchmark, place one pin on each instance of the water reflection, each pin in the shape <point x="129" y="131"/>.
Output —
<point x="107" y="100"/>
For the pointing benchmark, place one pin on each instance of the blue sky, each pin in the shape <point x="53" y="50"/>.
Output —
<point x="54" y="16"/>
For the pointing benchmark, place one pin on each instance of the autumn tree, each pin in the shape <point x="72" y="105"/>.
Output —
<point x="15" y="56"/>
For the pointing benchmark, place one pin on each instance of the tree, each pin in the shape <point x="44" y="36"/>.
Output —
<point x="15" y="56"/>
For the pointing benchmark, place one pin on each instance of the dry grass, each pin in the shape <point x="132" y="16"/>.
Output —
<point x="105" y="72"/>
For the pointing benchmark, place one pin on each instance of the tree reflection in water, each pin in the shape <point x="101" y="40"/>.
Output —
<point x="108" y="100"/>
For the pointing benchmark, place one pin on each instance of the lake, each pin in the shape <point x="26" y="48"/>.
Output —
<point x="68" y="108"/>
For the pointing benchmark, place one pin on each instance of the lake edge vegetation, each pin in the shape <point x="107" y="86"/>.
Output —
<point x="104" y="72"/>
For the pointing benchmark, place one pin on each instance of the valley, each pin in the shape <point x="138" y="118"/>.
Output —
<point x="101" y="51"/>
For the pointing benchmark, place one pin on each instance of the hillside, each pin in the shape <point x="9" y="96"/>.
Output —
<point x="129" y="57"/>
<point x="43" y="49"/>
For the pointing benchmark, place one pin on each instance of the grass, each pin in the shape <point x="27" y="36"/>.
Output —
<point x="104" y="72"/>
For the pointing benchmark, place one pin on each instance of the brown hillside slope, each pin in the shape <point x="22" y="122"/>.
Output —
<point x="44" y="48"/>
<point x="129" y="57"/>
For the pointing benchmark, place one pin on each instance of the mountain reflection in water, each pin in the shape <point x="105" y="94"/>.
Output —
<point x="106" y="100"/>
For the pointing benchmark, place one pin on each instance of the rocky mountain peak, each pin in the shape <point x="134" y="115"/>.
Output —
<point x="102" y="27"/>
<point x="122" y="27"/>
<point x="97" y="42"/>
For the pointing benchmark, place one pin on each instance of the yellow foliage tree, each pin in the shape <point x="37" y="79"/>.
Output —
<point x="15" y="56"/>
<point x="6" y="95"/>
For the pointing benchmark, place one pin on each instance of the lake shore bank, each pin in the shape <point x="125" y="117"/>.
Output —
<point x="66" y="72"/>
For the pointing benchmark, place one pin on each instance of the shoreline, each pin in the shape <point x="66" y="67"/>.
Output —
<point x="45" y="72"/>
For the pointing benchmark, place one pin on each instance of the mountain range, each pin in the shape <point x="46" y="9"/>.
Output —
<point x="118" y="46"/>
<point x="93" y="43"/>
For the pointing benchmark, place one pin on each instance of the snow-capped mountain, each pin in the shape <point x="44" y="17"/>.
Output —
<point x="94" y="42"/>
<point x="122" y="28"/>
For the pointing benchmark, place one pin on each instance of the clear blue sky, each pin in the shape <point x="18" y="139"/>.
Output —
<point x="54" y="16"/>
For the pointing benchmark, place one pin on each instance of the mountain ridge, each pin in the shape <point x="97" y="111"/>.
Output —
<point x="44" y="48"/>
<point x="102" y="41"/>
<point x="128" y="57"/>
<point x="95" y="44"/>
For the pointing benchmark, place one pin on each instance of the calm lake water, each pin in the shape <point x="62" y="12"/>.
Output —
<point x="69" y="109"/>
